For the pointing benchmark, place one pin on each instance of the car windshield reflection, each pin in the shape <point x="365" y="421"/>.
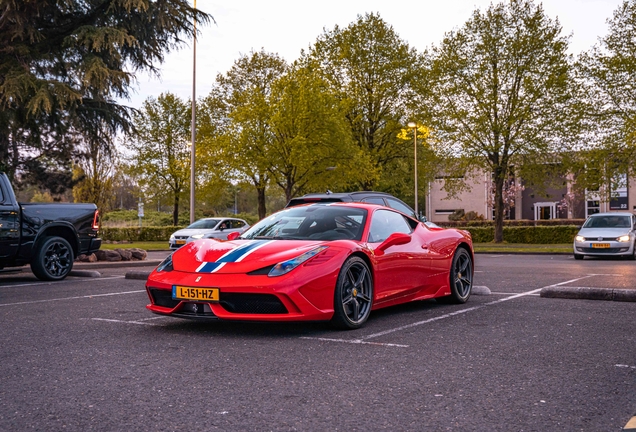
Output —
<point x="315" y="222"/>
<point x="607" y="222"/>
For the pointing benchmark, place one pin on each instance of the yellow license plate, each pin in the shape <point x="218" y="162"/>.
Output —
<point x="600" y="245"/>
<point x="181" y="242"/>
<point x="190" y="293"/>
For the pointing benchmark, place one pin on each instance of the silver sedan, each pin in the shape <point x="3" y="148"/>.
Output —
<point x="217" y="228"/>
<point x="607" y="234"/>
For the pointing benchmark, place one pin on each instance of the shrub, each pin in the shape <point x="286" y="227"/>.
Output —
<point x="527" y="234"/>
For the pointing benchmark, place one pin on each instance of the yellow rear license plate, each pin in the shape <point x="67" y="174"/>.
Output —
<point x="600" y="245"/>
<point x="189" y="293"/>
<point x="180" y="242"/>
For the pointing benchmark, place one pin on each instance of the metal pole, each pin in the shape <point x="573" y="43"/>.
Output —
<point x="194" y="110"/>
<point x="417" y="212"/>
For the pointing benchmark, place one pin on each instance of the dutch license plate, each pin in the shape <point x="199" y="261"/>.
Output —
<point x="189" y="293"/>
<point x="181" y="242"/>
<point x="600" y="245"/>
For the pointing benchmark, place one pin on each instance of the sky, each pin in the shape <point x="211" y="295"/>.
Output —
<point x="286" y="27"/>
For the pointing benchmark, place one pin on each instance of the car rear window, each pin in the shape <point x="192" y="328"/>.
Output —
<point x="299" y="201"/>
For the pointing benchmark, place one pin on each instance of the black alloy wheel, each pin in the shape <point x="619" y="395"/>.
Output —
<point x="53" y="259"/>
<point x="461" y="276"/>
<point x="353" y="296"/>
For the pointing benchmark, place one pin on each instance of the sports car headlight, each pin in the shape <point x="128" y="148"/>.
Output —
<point x="624" y="238"/>
<point x="286" y="266"/>
<point x="579" y="238"/>
<point x="197" y="236"/>
<point x="166" y="265"/>
<point x="171" y="237"/>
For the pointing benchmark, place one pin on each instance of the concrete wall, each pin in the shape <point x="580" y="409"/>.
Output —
<point x="475" y="198"/>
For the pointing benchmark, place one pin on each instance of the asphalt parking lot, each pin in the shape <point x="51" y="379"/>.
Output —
<point x="84" y="354"/>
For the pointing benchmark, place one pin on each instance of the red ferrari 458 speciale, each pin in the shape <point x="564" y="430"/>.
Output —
<point x="333" y="262"/>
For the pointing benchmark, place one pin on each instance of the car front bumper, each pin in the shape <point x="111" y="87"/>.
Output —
<point x="604" y="248"/>
<point x="306" y="297"/>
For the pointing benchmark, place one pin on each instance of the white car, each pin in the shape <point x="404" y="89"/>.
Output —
<point x="217" y="228"/>
<point x="607" y="234"/>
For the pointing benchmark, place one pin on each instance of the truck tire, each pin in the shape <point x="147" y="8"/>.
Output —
<point x="53" y="259"/>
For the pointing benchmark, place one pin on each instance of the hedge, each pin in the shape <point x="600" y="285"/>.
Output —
<point x="512" y="234"/>
<point x="139" y="234"/>
<point x="527" y="234"/>
<point x="510" y="223"/>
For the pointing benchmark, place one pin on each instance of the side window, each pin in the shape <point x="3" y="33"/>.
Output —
<point x="384" y="223"/>
<point x="401" y="207"/>
<point x="1" y="196"/>
<point x="374" y="201"/>
<point x="237" y="224"/>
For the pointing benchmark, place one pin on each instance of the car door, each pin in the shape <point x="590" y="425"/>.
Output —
<point x="221" y="230"/>
<point x="237" y="225"/>
<point x="400" y="270"/>
<point x="9" y="226"/>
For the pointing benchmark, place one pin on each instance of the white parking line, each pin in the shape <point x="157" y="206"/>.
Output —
<point x="72" y="298"/>
<point x="354" y="341"/>
<point x="123" y="322"/>
<point x="58" y="282"/>
<point x="441" y="317"/>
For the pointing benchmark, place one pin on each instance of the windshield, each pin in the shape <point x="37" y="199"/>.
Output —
<point x="204" y="224"/>
<point x="607" y="222"/>
<point x="315" y="222"/>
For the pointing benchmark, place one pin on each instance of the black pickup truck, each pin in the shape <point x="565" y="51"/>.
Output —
<point x="46" y="236"/>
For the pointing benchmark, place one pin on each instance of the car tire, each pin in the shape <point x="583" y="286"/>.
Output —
<point x="633" y="255"/>
<point x="578" y="256"/>
<point x="461" y="277"/>
<point x="353" y="296"/>
<point x="53" y="259"/>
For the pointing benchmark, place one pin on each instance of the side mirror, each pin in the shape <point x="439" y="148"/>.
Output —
<point x="233" y="235"/>
<point x="423" y="219"/>
<point x="394" y="240"/>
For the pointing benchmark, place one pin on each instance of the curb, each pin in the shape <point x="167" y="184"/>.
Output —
<point x="85" y="273"/>
<point x="586" y="293"/>
<point x="116" y="264"/>
<point x="139" y="275"/>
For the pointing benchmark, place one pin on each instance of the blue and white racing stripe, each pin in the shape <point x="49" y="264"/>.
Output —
<point x="234" y="255"/>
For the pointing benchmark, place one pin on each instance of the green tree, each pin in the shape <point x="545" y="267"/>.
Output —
<point x="241" y="100"/>
<point x="501" y="95"/>
<point x="312" y="143"/>
<point x="372" y="71"/>
<point x="609" y="71"/>
<point x="160" y="148"/>
<point x="95" y="174"/>
<point x="64" y="64"/>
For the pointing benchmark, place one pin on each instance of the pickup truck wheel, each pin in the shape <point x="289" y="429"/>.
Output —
<point x="53" y="260"/>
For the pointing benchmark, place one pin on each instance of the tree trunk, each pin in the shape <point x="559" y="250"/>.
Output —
<point x="499" y="205"/>
<point x="260" y="190"/>
<point x="175" y="211"/>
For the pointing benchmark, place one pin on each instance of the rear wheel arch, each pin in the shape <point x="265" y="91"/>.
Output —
<point x="66" y="232"/>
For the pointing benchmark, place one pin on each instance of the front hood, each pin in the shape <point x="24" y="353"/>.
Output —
<point x="238" y="256"/>
<point x="593" y="233"/>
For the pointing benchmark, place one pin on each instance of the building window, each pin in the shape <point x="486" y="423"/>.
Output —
<point x="592" y="207"/>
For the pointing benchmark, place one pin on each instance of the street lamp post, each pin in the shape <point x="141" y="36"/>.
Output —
<point x="194" y="108"/>
<point x="414" y="126"/>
